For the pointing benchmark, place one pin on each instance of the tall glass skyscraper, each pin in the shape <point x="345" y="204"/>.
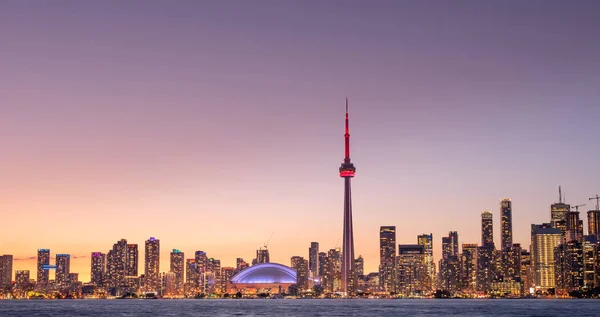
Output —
<point x="506" y="224"/>
<point x="152" y="264"/>
<point x="487" y="229"/>
<point x="387" y="258"/>
<point x="43" y="259"/>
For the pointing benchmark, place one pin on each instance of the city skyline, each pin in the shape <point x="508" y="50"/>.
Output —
<point x="199" y="127"/>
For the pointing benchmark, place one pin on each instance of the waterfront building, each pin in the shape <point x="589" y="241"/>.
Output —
<point x="299" y="264"/>
<point x="6" y="269"/>
<point x="387" y="258"/>
<point x="116" y="264"/>
<point x="487" y="229"/>
<point x="177" y="267"/>
<point x="63" y="268"/>
<point x="152" y="265"/>
<point x="43" y="260"/>
<point x="506" y="224"/>
<point x="22" y="280"/>
<point x="132" y="263"/>
<point x="469" y="267"/>
<point x="544" y="241"/>
<point x="359" y="264"/>
<point x="426" y="240"/>
<point x="98" y="270"/>
<point x="486" y="268"/>
<point x="268" y="278"/>
<point x="322" y="261"/>
<point x="568" y="267"/>
<point x="411" y="269"/>
<point x="313" y="260"/>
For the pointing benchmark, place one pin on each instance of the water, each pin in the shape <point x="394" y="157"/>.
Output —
<point x="310" y="307"/>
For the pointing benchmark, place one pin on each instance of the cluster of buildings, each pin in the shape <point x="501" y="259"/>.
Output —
<point x="560" y="260"/>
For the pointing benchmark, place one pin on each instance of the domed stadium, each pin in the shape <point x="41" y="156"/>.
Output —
<point x="270" y="278"/>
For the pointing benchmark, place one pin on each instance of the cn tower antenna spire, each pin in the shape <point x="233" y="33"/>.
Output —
<point x="347" y="136"/>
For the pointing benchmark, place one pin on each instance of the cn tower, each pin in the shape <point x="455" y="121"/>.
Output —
<point x="347" y="172"/>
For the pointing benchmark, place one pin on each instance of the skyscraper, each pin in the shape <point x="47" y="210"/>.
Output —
<point x="544" y="241"/>
<point x="63" y="268"/>
<point x="347" y="171"/>
<point x="387" y="258"/>
<point x="450" y="245"/>
<point x="177" y="259"/>
<point x="152" y="264"/>
<point x="98" y="268"/>
<point x="558" y="211"/>
<point x="43" y="258"/>
<point x="450" y="263"/>
<point x="313" y="259"/>
<point x="426" y="240"/>
<point x="201" y="268"/>
<point x="22" y="279"/>
<point x="6" y="268"/>
<point x="359" y="264"/>
<point x="262" y="256"/>
<point x="301" y="266"/>
<point x="191" y="272"/>
<point x="411" y="269"/>
<point x="132" y="260"/>
<point x="469" y="267"/>
<point x="487" y="229"/>
<point x="322" y="261"/>
<point x="506" y="223"/>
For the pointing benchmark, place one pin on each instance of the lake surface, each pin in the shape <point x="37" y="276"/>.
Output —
<point x="310" y="307"/>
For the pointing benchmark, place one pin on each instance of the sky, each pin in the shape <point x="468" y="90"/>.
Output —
<point x="211" y="125"/>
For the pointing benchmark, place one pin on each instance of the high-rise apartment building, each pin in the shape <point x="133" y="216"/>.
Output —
<point x="506" y="224"/>
<point x="574" y="226"/>
<point x="6" y="268"/>
<point x="387" y="258"/>
<point x="469" y="267"/>
<point x="313" y="259"/>
<point x="63" y="268"/>
<point x="177" y="260"/>
<point x="544" y="241"/>
<point x="43" y="259"/>
<point x="152" y="264"/>
<point x="116" y="264"/>
<point x="98" y="271"/>
<point x="450" y="263"/>
<point x="301" y="266"/>
<point x="191" y="272"/>
<point x="511" y="263"/>
<point x="568" y="267"/>
<point x="486" y="268"/>
<point x="426" y="240"/>
<point x="322" y="261"/>
<point x="132" y="260"/>
<point x="450" y="245"/>
<point x="22" y="279"/>
<point x="487" y="229"/>
<point x="201" y="268"/>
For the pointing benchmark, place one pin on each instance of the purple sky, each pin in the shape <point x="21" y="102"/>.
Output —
<point x="212" y="124"/>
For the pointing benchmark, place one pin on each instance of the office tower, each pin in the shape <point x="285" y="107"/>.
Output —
<point x="116" y="264"/>
<point x="347" y="171"/>
<point x="98" y="268"/>
<point x="387" y="258"/>
<point x="450" y="244"/>
<point x="506" y="223"/>
<point x="568" y="267"/>
<point x="301" y="266"/>
<point x="594" y="223"/>
<point x="411" y="269"/>
<point x="313" y="259"/>
<point x="558" y="211"/>
<point x="322" y="260"/>
<point x="152" y="264"/>
<point x="469" y="267"/>
<point x="359" y="264"/>
<point x="574" y="226"/>
<point x="177" y="259"/>
<point x="43" y="259"/>
<point x="22" y="280"/>
<point x="6" y="268"/>
<point x="544" y="241"/>
<point x="132" y="260"/>
<point x="214" y="270"/>
<point x="262" y="256"/>
<point x="191" y="272"/>
<point x="487" y="229"/>
<point x="426" y="240"/>
<point x="63" y="268"/>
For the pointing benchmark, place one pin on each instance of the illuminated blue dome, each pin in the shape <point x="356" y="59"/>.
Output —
<point x="266" y="273"/>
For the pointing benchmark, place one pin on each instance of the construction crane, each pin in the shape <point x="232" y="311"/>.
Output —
<point x="597" y="198"/>
<point x="267" y="243"/>
<point x="577" y="207"/>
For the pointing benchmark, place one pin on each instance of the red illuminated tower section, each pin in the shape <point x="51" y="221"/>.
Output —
<point x="347" y="172"/>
